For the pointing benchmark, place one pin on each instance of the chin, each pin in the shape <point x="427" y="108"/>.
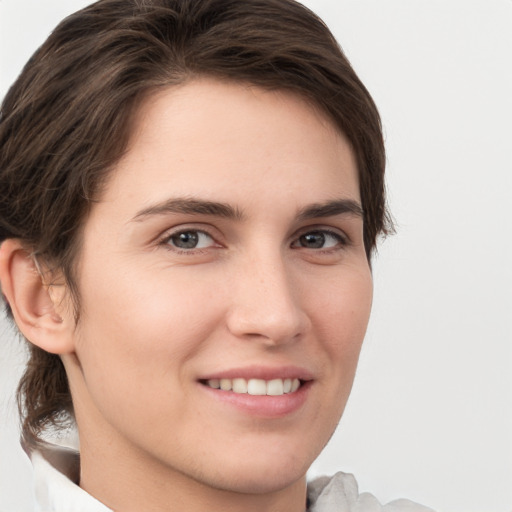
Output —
<point x="260" y="482"/>
<point x="262" y="476"/>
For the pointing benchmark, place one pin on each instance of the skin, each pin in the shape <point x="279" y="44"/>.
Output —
<point x="157" y="318"/>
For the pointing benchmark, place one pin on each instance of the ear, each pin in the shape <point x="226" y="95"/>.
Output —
<point x="39" y="309"/>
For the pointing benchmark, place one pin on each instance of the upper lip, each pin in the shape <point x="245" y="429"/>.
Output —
<point x="262" y="372"/>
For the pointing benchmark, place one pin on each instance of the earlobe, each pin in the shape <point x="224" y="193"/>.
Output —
<point x="38" y="310"/>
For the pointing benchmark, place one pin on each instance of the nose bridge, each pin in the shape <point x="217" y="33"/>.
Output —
<point x="266" y="303"/>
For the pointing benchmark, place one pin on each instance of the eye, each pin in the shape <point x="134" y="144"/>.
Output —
<point x="189" y="240"/>
<point x="319" y="239"/>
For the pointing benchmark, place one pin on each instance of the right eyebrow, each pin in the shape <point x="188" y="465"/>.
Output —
<point x="189" y="206"/>
<point x="332" y="208"/>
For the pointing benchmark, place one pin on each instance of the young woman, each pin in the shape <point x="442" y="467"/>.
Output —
<point x="191" y="191"/>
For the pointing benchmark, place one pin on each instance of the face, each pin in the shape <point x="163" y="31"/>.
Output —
<point x="226" y="250"/>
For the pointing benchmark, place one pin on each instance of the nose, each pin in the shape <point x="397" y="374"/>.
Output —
<point x="266" y="302"/>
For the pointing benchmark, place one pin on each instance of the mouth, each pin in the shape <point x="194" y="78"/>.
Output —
<point x="260" y="391"/>
<point x="255" y="387"/>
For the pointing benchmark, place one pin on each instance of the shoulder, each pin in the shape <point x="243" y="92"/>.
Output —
<point x="340" y="493"/>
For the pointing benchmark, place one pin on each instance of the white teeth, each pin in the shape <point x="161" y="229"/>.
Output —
<point x="239" y="386"/>
<point x="256" y="387"/>
<point x="225" y="384"/>
<point x="274" y="387"/>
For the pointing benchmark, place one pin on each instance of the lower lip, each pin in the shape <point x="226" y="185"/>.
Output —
<point x="263" y="405"/>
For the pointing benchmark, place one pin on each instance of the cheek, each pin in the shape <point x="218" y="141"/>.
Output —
<point x="340" y="320"/>
<point x="140" y="330"/>
<point x="150" y="303"/>
<point x="343" y="311"/>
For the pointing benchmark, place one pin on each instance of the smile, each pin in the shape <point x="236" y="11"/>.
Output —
<point x="274" y="387"/>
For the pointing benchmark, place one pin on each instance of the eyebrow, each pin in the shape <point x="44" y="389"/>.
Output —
<point x="191" y="206"/>
<point x="331" y="209"/>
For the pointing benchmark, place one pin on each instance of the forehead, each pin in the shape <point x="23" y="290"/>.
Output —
<point x="222" y="138"/>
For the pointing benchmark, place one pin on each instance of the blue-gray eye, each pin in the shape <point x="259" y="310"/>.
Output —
<point x="191" y="240"/>
<point x="319" y="240"/>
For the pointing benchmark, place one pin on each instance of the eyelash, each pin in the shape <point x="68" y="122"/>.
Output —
<point x="166" y="239"/>
<point x="342" y="240"/>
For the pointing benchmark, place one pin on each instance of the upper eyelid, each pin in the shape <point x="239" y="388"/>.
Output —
<point x="335" y="231"/>
<point x="167" y="233"/>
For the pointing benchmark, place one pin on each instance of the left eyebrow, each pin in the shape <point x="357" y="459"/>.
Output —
<point x="331" y="209"/>
<point x="190" y="206"/>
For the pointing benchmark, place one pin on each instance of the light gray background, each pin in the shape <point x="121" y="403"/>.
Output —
<point x="430" y="416"/>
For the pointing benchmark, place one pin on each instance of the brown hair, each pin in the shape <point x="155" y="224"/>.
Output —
<point x="66" y="121"/>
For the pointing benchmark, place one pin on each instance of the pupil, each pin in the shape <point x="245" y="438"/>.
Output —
<point x="187" y="240"/>
<point x="313" y="240"/>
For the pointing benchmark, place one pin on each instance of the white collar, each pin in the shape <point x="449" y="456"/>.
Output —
<point x="55" y="474"/>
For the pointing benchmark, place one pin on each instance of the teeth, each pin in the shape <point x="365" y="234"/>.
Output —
<point x="239" y="386"/>
<point x="274" y="387"/>
<point x="214" y="383"/>
<point x="256" y="387"/>
<point x="225" y="384"/>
